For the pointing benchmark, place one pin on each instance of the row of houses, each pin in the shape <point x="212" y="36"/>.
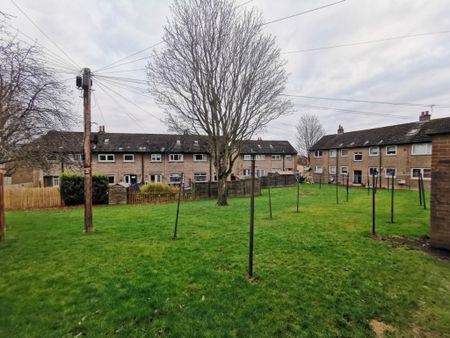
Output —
<point x="403" y="151"/>
<point x="145" y="158"/>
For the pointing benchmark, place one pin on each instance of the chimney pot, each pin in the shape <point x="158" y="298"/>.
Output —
<point x="340" y="130"/>
<point x="425" y="116"/>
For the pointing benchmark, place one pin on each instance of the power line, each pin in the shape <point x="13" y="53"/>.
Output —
<point x="124" y="71"/>
<point x="301" y="13"/>
<point x="366" y="101"/>
<point x="43" y="33"/>
<point x="367" y="42"/>
<point x="99" y="108"/>
<point x="132" y="88"/>
<point x="354" y="111"/>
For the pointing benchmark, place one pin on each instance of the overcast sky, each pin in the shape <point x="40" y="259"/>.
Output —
<point x="415" y="70"/>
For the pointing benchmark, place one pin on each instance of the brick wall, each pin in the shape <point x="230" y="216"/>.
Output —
<point x="440" y="192"/>
<point x="403" y="161"/>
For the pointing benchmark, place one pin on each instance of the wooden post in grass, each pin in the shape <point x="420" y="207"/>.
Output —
<point x="423" y="192"/>
<point x="373" y="205"/>
<point x="298" y="193"/>
<point x="320" y="180"/>
<point x="252" y="221"/>
<point x="392" y="198"/>
<point x="337" y="187"/>
<point x="270" y="197"/>
<point x="178" y="207"/>
<point x="2" y="208"/>
<point x="368" y="185"/>
<point x="420" y="189"/>
<point x="347" y="185"/>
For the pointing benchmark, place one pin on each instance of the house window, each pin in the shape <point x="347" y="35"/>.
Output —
<point x="51" y="181"/>
<point x="318" y="154"/>
<point x="259" y="172"/>
<point x="106" y="158"/>
<point x="199" y="177"/>
<point x="260" y="157"/>
<point x="276" y="157"/>
<point x="175" y="178"/>
<point x="373" y="171"/>
<point x="275" y="170"/>
<point x="289" y="169"/>
<point x="374" y="151"/>
<point x="344" y="152"/>
<point x="200" y="157"/>
<point x="247" y="172"/>
<point x="391" y="150"/>
<point x="426" y="173"/>
<point x="247" y="157"/>
<point x="155" y="158"/>
<point x="333" y="153"/>
<point x="288" y="157"/>
<point x="344" y="171"/>
<point x="318" y="169"/>
<point x="128" y="157"/>
<point x="357" y="156"/>
<point x="332" y="169"/>
<point x="111" y="179"/>
<point x="75" y="157"/>
<point x="155" y="178"/>
<point x="176" y="158"/>
<point x="389" y="172"/>
<point x="421" y="149"/>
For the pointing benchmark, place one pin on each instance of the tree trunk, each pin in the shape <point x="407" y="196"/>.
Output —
<point x="222" y="199"/>
<point x="2" y="210"/>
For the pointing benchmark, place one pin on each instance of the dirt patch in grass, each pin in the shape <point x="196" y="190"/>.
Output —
<point x="380" y="328"/>
<point x="421" y="243"/>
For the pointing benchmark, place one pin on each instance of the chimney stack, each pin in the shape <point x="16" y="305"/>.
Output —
<point x="340" y="130"/>
<point x="101" y="129"/>
<point x="425" y="116"/>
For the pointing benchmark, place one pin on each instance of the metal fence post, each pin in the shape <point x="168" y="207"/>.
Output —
<point x="373" y="205"/>
<point x="178" y="207"/>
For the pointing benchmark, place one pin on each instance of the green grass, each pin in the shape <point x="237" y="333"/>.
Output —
<point x="319" y="272"/>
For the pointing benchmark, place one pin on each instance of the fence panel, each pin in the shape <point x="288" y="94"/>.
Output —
<point x="240" y="188"/>
<point x="21" y="198"/>
<point x="154" y="198"/>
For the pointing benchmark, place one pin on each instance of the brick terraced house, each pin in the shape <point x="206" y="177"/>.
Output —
<point x="144" y="158"/>
<point x="403" y="150"/>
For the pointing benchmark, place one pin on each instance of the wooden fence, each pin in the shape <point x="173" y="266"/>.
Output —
<point x="152" y="197"/>
<point x="21" y="198"/>
<point x="207" y="190"/>
<point x="278" y="181"/>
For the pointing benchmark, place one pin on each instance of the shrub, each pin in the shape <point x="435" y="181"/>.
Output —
<point x="72" y="189"/>
<point x="159" y="188"/>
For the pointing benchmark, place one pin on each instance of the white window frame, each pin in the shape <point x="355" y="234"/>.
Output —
<point x="196" y="175"/>
<point x="159" y="180"/>
<point x="370" y="168"/>
<point x="113" y="177"/>
<point x="387" y="150"/>
<point x="358" y="153"/>
<point x="204" y="158"/>
<point x="332" y="169"/>
<point x="156" y="158"/>
<point x="332" y="153"/>
<point x="259" y="172"/>
<point x="247" y="172"/>
<point x="422" y="171"/>
<point x="288" y="157"/>
<point x="173" y="175"/>
<point x="318" y="171"/>
<point x="260" y="157"/>
<point x="75" y="157"/>
<point x="129" y="161"/>
<point x="386" y="170"/>
<point x="346" y="173"/>
<point x="106" y="160"/>
<point x="318" y="154"/>
<point x="346" y="155"/>
<point x="276" y="157"/>
<point x="247" y="157"/>
<point x="377" y="151"/>
<point x="429" y="149"/>
<point x="180" y="158"/>
<point x="275" y="170"/>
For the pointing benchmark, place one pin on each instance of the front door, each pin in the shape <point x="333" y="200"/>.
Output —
<point x="357" y="177"/>
<point x="130" y="179"/>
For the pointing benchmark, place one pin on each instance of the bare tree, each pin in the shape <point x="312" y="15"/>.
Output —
<point x="309" y="131"/>
<point x="219" y="74"/>
<point x="32" y="102"/>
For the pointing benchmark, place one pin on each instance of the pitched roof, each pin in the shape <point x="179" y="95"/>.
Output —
<point x="407" y="133"/>
<point x="66" y="141"/>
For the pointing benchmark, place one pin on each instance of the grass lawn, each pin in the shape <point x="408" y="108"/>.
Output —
<point x="319" y="272"/>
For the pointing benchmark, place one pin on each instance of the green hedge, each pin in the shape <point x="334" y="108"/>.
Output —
<point x="72" y="189"/>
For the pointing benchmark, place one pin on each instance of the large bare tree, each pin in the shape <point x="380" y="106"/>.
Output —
<point x="218" y="75"/>
<point x="309" y="131"/>
<point x="32" y="102"/>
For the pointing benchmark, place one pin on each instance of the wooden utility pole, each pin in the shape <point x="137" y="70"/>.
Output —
<point x="2" y="208"/>
<point x="86" y="85"/>
<point x="180" y="192"/>
<point x="252" y="222"/>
